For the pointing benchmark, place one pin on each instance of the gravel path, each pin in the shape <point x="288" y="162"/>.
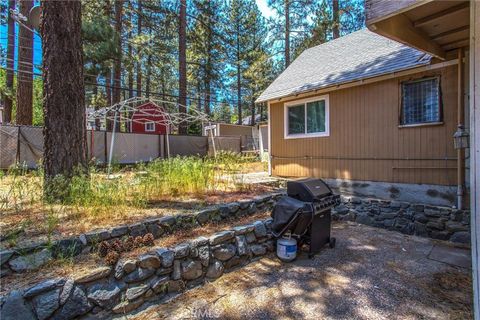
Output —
<point x="371" y="274"/>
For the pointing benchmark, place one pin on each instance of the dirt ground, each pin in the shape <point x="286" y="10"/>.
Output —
<point x="371" y="274"/>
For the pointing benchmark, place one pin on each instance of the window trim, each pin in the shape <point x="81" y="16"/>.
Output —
<point x="146" y="126"/>
<point x="286" y="105"/>
<point x="440" y="104"/>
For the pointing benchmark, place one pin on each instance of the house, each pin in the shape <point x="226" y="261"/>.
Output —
<point x="149" y="118"/>
<point x="370" y="115"/>
<point x="440" y="28"/>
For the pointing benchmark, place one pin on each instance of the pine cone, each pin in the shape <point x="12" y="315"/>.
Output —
<point x="112" y="258"/>
<point x="138" y="242"/>
<point x="148" y="239"/>
<point x="128" y="243"/>
<point x="103" y="248"/>
<point x="117" y="246"/>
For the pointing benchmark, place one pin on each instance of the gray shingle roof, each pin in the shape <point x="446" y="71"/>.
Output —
<point x="359" y="55"/>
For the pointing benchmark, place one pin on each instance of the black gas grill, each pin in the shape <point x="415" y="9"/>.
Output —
<point x="306" y="213"/>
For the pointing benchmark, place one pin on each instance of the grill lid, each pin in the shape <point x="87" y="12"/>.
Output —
<point x="308" y="190"/>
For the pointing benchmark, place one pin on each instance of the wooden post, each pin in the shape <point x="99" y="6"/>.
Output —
<point x="269" y="140"/>
<point x="475" y="149"/>
<point x="460" y="126"/>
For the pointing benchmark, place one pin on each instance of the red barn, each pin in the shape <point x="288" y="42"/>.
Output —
<point x="149" y="118"/>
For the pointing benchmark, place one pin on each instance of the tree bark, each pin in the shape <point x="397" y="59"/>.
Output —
<point x="130" y="52"/>
<point x="95" y="94"/>
<point x="239" y="79"/>
<point x="149" y="74"/>
<point x="336" y="20"/>
<point x="7" y="115"/>
<point x="182" y="64"/>
<point x="108" y="93"/>
<point x="25" y="70"/>
<point x="108" y="86"/>
<point x="208" y="65"/>
<point x="252" y="106"/>
<point x="64" y="96"/>
<point x="139" y="52"/>
<point x="287" y="33"/>
<point x="117" y="68"/>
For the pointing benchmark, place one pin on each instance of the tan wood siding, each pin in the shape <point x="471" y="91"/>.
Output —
<point x="234" y="130"/>
<point x="366" y="142"/>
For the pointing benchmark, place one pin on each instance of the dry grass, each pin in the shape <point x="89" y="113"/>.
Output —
<point x="160" y="188"/>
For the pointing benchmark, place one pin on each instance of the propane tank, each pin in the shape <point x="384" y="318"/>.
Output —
<point x="287" y="249"/>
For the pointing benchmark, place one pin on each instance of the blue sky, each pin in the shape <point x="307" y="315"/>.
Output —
<point x="263" y="6"/>
<point x="37" y="46"/>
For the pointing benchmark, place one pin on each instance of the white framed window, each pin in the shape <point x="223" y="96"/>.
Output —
<point x="307" y="118"/>
<point x="150" y="126"/>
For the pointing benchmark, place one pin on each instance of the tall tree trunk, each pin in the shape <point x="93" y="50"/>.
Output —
<point x="149" y="74"/>
<point x="252" y="106"/>
<point x="149" y="69"/>
<point x="336" y="19"/>
<point x="108" y="87"/>
<point x="7" y="115"/>
<point x="261" y="112"/>
<point x="117" y="68"/>
<point x="64" y="95"/>
<point x="130" y="73"/>
<point x="25" y="70"/>
<point x="208" y="65"/>
<point x="95" y="94"/>
<point x="182" y="64"/>
<point x="108" y="93"/>
<point x="139" y="50"/>
<point x="287" y="33"/>
<point x="239" y="79"/>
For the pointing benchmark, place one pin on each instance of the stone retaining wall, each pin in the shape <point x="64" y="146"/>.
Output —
<point x="156" y="275"/>
<point x="441" y="223"/>
<point x="34" y="256"/>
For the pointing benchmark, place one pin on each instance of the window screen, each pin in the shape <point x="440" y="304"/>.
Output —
<point x="296" y="119"/>
<point x="316" y="116"/>
<point x="421" y="101"/>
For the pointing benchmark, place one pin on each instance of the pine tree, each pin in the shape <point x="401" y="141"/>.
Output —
<point x="117" y="66"/>
<point x="64" y="104"/>
<point x="182" y="63"/>
<point x="291" y="20"/>
<point x="139" y="49"/>
<point x="24" y="113"/>
<point x="259" y="73"/>
<point x="7" y="115"/>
